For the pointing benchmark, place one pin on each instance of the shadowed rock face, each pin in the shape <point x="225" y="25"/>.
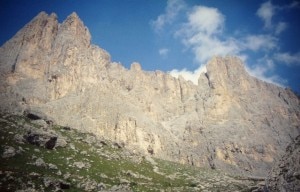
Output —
<point x="230" y="120"/>
<point x="285" y="175"/>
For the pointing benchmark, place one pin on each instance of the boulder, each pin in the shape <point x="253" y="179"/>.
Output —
<point x="50" y="144"/>
<point x="9" y="151"/>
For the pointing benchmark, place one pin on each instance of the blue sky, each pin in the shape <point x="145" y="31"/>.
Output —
<point x="180" y="36"/>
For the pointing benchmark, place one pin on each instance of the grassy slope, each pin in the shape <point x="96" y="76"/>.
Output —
<point x="111" y="166"/>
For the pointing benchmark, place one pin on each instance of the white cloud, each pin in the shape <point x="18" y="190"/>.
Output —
<point x="262" y="69"/>
<point x="258" y="42"/>
<point x="163" y="52"/>
<point x="287" y="58"/>
<point x="281" y="26"/>
<point x="266" y="11"/>
<point x="201" y="34"/>
<point x="172" y="10"/>
<point x="294" y="4"/>
<point x="206" y="47"/>
<point x="206" y="20"/>
<point x="192" y="76"/>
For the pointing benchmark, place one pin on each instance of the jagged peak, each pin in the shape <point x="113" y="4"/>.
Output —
<point x="135" y="66"/>
<point x="32" y="31"/>
<point x="73" y="27"/>
<point x="73" y="19"/>
<point x="53" y="15"/>
<point x="225" y="71"/>
<point x="43" y="16"/>
<point x="228" y="66"/>
<point x="228" y="61"/>
<point x="73" y="15"/>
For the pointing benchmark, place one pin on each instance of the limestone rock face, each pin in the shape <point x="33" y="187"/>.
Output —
<point x="228" y="121"/>
<point x="285" y="175"/>
<point x="47" y="60"/>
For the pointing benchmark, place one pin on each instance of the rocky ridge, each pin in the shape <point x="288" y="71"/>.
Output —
<point x="52" y="70"/>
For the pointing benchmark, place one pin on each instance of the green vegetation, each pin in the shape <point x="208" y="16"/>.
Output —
<point x="89" y="164"/>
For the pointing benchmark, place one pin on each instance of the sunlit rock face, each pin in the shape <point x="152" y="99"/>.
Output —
<point x="229" y="121"/>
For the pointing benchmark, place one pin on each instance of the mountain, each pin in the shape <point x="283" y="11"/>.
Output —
<point x="230" y="120"/>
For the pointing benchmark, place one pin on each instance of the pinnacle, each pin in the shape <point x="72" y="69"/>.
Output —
<point x="53" y="15"/>
<point x="43" y="16"/>
<point x="226" y="65"/>
<point x="135" y="66"/>
<point x="74" y="29"/>
<point x="74" y="20"/>
<point x="42" y="13"/>
<point x="73" y="15"/>
<point x="40" y="16"/>
<point x="225" y="71"/>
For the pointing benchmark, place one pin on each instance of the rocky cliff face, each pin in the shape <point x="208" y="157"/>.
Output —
<point x="230" y="120"/>
<point x="285" y="175"/>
